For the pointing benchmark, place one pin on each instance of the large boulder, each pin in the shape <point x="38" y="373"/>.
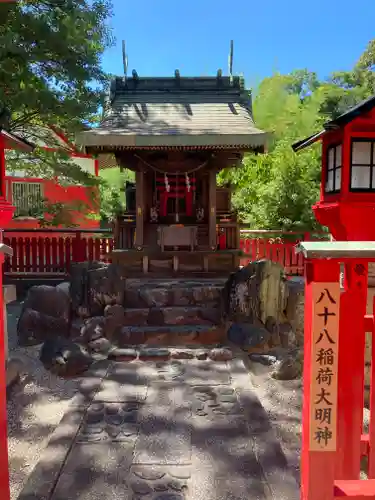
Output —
<point x="106" y="287"/>
<point x="255" y="292"/>
<point x="79" y="283"/>
<point x="295" y="308"/>
<point x="250" y="337"/>
<point x="64" y="358"/>
<point x="45" y="314"/>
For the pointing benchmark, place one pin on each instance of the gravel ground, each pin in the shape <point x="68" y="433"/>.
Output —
<point x="282" y="401"/>
<point x="34" y="409"/>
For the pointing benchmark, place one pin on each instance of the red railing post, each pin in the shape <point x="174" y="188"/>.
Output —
<point x="78" y="254"/>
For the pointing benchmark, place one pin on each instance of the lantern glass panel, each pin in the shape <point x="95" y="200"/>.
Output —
<point x="329" y="183"/>
<point x="361" y="153"/>
<point x="360" y="177"/>
<point x="333" y="169"/>
<point x="362" y="165"/>
<point x="338" y="178"/>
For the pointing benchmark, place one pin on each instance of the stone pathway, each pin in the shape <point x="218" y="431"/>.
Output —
<point x="176" y="430"/>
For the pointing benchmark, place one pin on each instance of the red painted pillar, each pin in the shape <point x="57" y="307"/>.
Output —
<point x="319" y="456"/>
<point x="351" y="371"/>
<point x="4" y="463"/>
<point x="6" y="214"/>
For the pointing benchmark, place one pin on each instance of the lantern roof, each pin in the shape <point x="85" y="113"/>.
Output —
<point x="339" y="122"/>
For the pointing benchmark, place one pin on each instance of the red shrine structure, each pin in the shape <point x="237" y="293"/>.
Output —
<point x="336" y="275"/>
<point x="176" y="133"/>
<point x="7" y="141"/>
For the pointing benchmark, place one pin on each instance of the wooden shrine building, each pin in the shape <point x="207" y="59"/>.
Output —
<point x="176" y="134"/>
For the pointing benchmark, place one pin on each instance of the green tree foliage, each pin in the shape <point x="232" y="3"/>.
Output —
<point x="50" y="73"/>
<point x="112" y="196"/>
<point x="276" y="190"/>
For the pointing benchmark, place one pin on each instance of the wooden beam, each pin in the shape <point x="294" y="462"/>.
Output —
<point x="212" y="239"/>
<point x="139" y="216"/>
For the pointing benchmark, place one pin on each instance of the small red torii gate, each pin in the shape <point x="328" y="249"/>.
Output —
<point x="334" y="362"/>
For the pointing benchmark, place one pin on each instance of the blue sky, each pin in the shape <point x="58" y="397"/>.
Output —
<point x="194" y="36"/>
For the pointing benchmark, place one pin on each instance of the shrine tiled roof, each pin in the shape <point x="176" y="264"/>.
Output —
<point x="176" y="112"/>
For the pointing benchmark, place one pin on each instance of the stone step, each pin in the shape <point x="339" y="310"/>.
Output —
<point x="172" y="293"/>
<point x="158" y="316"/>
<point x="172" y="335"/>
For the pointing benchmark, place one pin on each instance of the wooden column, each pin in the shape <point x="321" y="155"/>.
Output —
<point x="139" y="201"/>
<point x="212" y="239"/>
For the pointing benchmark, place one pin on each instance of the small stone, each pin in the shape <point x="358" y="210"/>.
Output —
<point x="264" y="359"/>
<point x="64" y="358"/>
<point x="290" y="367"/>
<point x="169" y="496"/>
<point x="201" y="355"/>
<point x="182" y="355"/>
<point x="100" y="345"/>
<point x="154" y="354"/>
<point x="221" y="354"/>
<point x="141" y="488"/>
<point x="93" y="328"/>
<point x="121" y="354"/>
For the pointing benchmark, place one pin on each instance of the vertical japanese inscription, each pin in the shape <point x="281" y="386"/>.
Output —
<point x="324" y="366"/>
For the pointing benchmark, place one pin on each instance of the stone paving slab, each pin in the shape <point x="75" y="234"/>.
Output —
<point x="207" y="372"/>
<point x="126" y="382"/>
<point x="96" y="472"/>
<point x="164" y="436"/>
<point x="185" y="430"/>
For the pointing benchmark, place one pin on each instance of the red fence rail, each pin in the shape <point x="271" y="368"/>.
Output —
<point x="277" y="246"/>
<point x="51" y="251"/>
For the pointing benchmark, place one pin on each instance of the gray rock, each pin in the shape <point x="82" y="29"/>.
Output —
<point x="181" y="354"/>
<point x="263" y="359"/>
<point x="45" y="313"/>
<point x="79" y="283"/>
<point x="48" y="300"/>
<point x="248" y="335"/>
<point x="64" y="287"/>
<point x="220" y="354"/>
<point x="100" y="345"/>
<point x="122" y="354"/>
<point x="150" y="353"/>
<point x="64" y="357"/>
<point x="114" y="321"/>
<point x="255" y="292"/>
<point x="154" y="296"/>
<point x="295" y="308"/>
<point x="105" y="287"/>
<point x="93" y="329"/>
<point x="201" y="354"/>
<point x="34" y="327"/>
<point x="290" y="366"/>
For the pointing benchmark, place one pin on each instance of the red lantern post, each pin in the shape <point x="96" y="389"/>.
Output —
<point x="7" y="141"/>
<point x="347" y="208"/>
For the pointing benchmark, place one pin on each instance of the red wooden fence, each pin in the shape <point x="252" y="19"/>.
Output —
<point x="51" y="251"/>
<point x="277" y="246"/>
